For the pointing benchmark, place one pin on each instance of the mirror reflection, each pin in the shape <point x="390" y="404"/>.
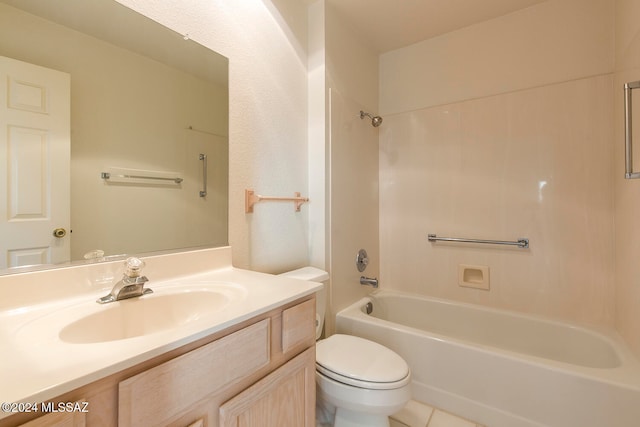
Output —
<point x="114" y="135"/>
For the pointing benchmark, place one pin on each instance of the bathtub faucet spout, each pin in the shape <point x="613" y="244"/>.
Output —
<point x="368" y="281"/>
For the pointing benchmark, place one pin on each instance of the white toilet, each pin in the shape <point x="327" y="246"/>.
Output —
<point x="359" y="382"/>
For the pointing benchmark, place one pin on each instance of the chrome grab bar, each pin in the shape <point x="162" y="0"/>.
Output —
<point x="628" y="131"/>
<point x="203" y="157"/>
<point x="108" y="175"/>
<point x="521" y="242"/>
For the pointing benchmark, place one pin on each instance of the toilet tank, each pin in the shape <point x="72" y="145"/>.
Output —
<point x="313" y="274"/>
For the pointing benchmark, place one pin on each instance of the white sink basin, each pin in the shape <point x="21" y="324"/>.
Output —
<point x="143" y="315"/>
<point x="167" y="308"/>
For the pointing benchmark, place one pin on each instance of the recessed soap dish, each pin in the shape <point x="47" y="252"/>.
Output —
<point x="473" y="276"/>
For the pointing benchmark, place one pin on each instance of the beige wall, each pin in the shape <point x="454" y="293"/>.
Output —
<point x="504" y="130"/>
<point x="265" y="42"/>
<point x="627" y="192"/>
<point x="318" y="138"/>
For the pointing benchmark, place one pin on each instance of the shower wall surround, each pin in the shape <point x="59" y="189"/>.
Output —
<point x="535" y="163"/>
<point x="627" y="192"/>
<point x="551" y="42"/>
<point x="503" y="130"/>
<point x="351" y="85"/>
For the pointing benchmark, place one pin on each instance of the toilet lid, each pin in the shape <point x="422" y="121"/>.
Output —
<point x="360" y="362"/>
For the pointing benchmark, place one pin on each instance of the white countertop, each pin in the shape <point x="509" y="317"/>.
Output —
<point x="38" y="366"/>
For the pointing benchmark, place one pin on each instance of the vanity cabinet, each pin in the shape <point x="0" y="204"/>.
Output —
<point x="259" y="373"/>
<point x="59" y="419"/>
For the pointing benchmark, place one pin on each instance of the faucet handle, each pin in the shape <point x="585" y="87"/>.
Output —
<point x="133" y="267"/>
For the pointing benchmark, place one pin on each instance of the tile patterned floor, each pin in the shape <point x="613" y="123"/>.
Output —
<point x="417" y="414"/>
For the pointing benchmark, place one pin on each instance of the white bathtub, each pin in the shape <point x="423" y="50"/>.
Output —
<point x="500" y="368"/>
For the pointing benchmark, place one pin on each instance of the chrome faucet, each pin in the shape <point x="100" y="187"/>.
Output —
<point x="131" y="285"/>
<point x="369" y="281"/>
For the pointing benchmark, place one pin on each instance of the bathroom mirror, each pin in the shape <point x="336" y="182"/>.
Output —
<point x="148" y="137"/>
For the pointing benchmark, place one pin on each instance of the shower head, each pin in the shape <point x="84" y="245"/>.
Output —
<point x="375" y="120"/>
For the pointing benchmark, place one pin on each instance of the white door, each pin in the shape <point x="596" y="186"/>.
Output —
<point x="34" y="164"/>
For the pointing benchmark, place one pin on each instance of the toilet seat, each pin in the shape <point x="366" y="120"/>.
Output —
<point x="360" y="363"/>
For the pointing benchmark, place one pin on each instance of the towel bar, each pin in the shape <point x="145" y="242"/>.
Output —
<point x="121" y="177"/>
<point x="628" y="131"/>
<point x="251" y="198"/>
<point x="521" y="242"/>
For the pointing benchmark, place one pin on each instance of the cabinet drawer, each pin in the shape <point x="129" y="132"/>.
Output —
<point x="299" y="326"/>
<point x="154" y="396"/>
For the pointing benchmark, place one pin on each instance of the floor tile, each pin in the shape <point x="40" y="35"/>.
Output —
<point x="396" y="423"/>
<point x="414" y="414"/>
<point x="444" y="419"/>
<point x="417" y="414"/>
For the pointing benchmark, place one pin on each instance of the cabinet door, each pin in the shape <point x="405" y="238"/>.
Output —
<point x="284" y="398"/>
<point x="59" y="419"/>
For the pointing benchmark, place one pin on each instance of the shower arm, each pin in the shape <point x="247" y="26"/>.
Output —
<point x="375" y="120"/>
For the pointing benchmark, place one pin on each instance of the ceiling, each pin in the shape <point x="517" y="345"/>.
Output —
<point x="117" y="24"/>
<point x="391" y="24"/>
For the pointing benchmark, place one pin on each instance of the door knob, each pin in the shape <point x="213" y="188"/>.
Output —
<point x="59" y="232"/>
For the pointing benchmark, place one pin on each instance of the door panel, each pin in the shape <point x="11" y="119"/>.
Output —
<point x="34" y="163"/>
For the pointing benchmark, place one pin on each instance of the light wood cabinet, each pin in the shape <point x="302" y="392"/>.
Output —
<point x="260" y="373"/>
<point x="284" y="398"/>
<point x="156" y="396"/>
<point x="59" y="419"/>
